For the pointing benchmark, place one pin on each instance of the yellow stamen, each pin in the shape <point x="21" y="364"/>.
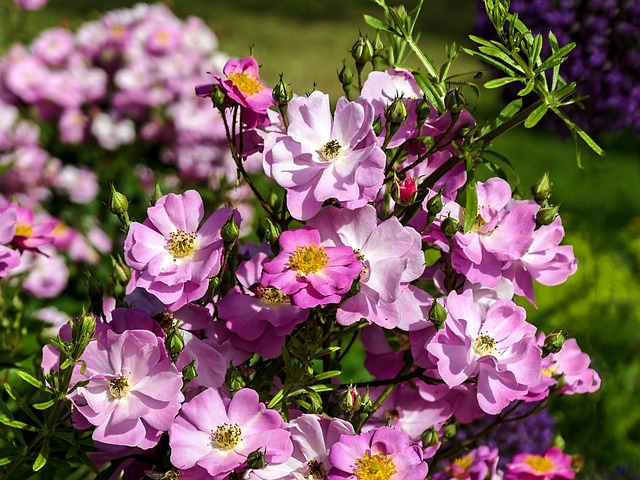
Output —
<point x="308" y="259"/>
<point x="119" y="387"/>
<point x="484" y="345"/>
<point x="330" y="150"/>
<point x="375" y="467"/>
<point x="271" y="295"/>
<point x="317" y="470"/>
<point x="247" y="84"/>
<point x="226" y="436"/>
<point x="24" y="230"/>
<point x="539" y="463"/>
<point x="181" y="244"/>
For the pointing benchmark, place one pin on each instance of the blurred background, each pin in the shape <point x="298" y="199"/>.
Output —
<point x="600" y="305"/>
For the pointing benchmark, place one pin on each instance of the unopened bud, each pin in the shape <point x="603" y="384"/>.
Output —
<point x="449" y="431"/>
<point x="83" y="328"/>
<point x="350" y="400"/>
<point x="547" y="215"/>
<point x="396" y="112"/>
<point x="355" y="288"/>
<point x="404" y="192"/>
<point x="423" y="110"/>
<point x="174" y="343"/>
<point x="450" y="227"/>
<point x="430" y="437"/>
<point x="366" y="404"/>
<point x="345" y="75"/>
<point x="454" y="100"/>
<point x="434" y="204"/>
<point x="121" y="271"/>
<point x="377" y="126"/>
<point x="282" y="93"/>
<point x="189" y="372"/>
<point x="156" y="194"/>
<point x="437" y="314"/>
<point x="219" y="98"/>
<point x="362" y="51"/>
<point x="272" y="232"/>
<point x="118" y="203"/>
<point x="234" y="379"/>
<point x="553" y="343"/>
<point x="95" y="292"/>
<point x="256" y="459"/>
<point x="230" y="230"/>
<point x="378" y="61"/>
<point x="541" y="190"/>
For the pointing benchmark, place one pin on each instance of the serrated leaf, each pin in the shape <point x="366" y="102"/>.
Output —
<point x="32" y="380"/>
<point x="535" y="116"/>
<point x="44" y="405"/>
<point x="471" y="205"/>
<point x="380" y="25"/>
<point x="500" y="82"/>
<point x="43" y="455"/>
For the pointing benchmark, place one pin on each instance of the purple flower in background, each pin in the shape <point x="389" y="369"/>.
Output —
<point x="553" y="464"/>
<point x="30" y="4"/>
<point x="479" y="464"/>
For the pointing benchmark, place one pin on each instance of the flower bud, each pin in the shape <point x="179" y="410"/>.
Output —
<point x="362" y="51"/>
<point x="256" y="459"/>
<point x="366" y="404"/>
<point x="450" y="227"/>
<point x="547" y="215"/>
<point x="272" y="232"/>
<point x="350" y="400"/>
<point x="396" y="112"/>
<point x="233" y="379"/>
<point x="189" y="372"/>
<point x="121" y="271"/>
<point x="430" y="437"/>
<point x="118" y="203"/>
<point x="553" y="343"/>
<point x="156" y="194"/>
<point x="230" y="230"/>
<point x="454" y="100"/>
<point x="345" y="75"/>
<point x="434" y="204"/>
<point x="355" y="288"/>
<point x="282" y="93"/>
<point x="174" y="343"/>
<point x="378" y="61"/>
<point x="377" y="126"/>
<point x="449" y="431"/>
<point x="541" y="190"/>
<point x="83" y="328"/>
<point x="437" y="314"/>
<point x="95" y="292"/>
<point x="404" y="192"/>
<point x="219" y="98"/>
<point x="423" y="110"/>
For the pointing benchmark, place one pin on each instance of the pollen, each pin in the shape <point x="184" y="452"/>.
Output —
<point x="464" y="462"/>
<point x="247" y="84"/>
<point x="24" y="230"/>
<point x="308" y="259"/>
<point x="484" y="345"/>
<point x="271" y="295"/>
<point x="375" y="467"/>
<point x="330" y="150"/>
<point x="316" y="470"/>
<point x="550" y="371"/>
<point x="119" y="387"/>
<point x="539" y="463"/>
<point x="226" y="436"/>
<point x="181" y="244"/>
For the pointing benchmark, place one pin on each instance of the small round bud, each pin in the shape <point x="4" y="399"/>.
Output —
<point x="234" y="379"/>
<point x="396" y="112"/>
<point x="366" y="404"/>
<point x="423" y="110"/>
<point x="156" y="194"/>
<point x="118" y="203"/>
<point x="553" y="343"/>
<point x="83" y="328"/>
<point x="121" y="271"/>
<point x="282" y="93"/>
<point x="272" y="232"/>
<point x="350" y="400"/>
<point x="430" y="437"/>
<point x="379" y="60"/>
<point x="345" y="75"/>
<point x="449" y="431"/>
<point x="434" y="204"/>
<point x="362" y="51"/>
<point x="454" y="100"/>
<point x="450" y="227"/>
<point x="377" y="126"/>
<point x="547" y="215"/>
<point x="256" y="459"/>
<point x="219" y="98"/>
<point x="355" y="288"/>
<point x="437" y="314"/>
<point x="230" y="230"/>
<point x="174" y="343"/>
<point x="189" y="372"/>
<point x="541" y="190"/>
<point x="404" y="192"/>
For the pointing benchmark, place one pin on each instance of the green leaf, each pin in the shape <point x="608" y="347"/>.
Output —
<point x="5" y="461"/>
<point x="556" y="58"/>
<point x="43" y="455"/>
<point x="327" y="374"/>
<point x="44" y="405"/>
<point x="380" y="25"/>
<point x="553" y="41"/>
<point x="32" y="380"/>
<point x="528" y="88"/>
<point x="22" y="404"/>
<point x="536" y="48"/>
<point x="535" y="116"/>
<point x="491" y="61"/>
<point x="500" y="82"/>
<point x="499" y="54"/>
<point x="16" y="424"/>
<point x="576" y="130"/>
<point x="471" y="204"/>
<point x="506" y="113"/>
<point x="277" y="399"/>
<point x="429" y="90"/>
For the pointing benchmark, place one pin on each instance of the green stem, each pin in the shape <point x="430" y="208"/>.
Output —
<point x="513" y="122"/>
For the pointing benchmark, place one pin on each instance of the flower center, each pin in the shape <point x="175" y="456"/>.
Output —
<point x="119" y="387"/>
<point x="316" y="470"/>
<point x="271" y="295"/>
<point x="391" y="415"/>
<point x="539" y="464"/>
<point x="375" y="467"/>
<point x="330" y="150"/>
<point x="308" y="259"/>
<point x="550" y="371"/>
<point x="463" y="463"/>
<point x="226" y="436"/>
<point x="484" y="345"/>
<point x="24" y="230"/>
<point x="247" y="84"/>
<point x="181" y="244"/>
<point x="166" y="320"/>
